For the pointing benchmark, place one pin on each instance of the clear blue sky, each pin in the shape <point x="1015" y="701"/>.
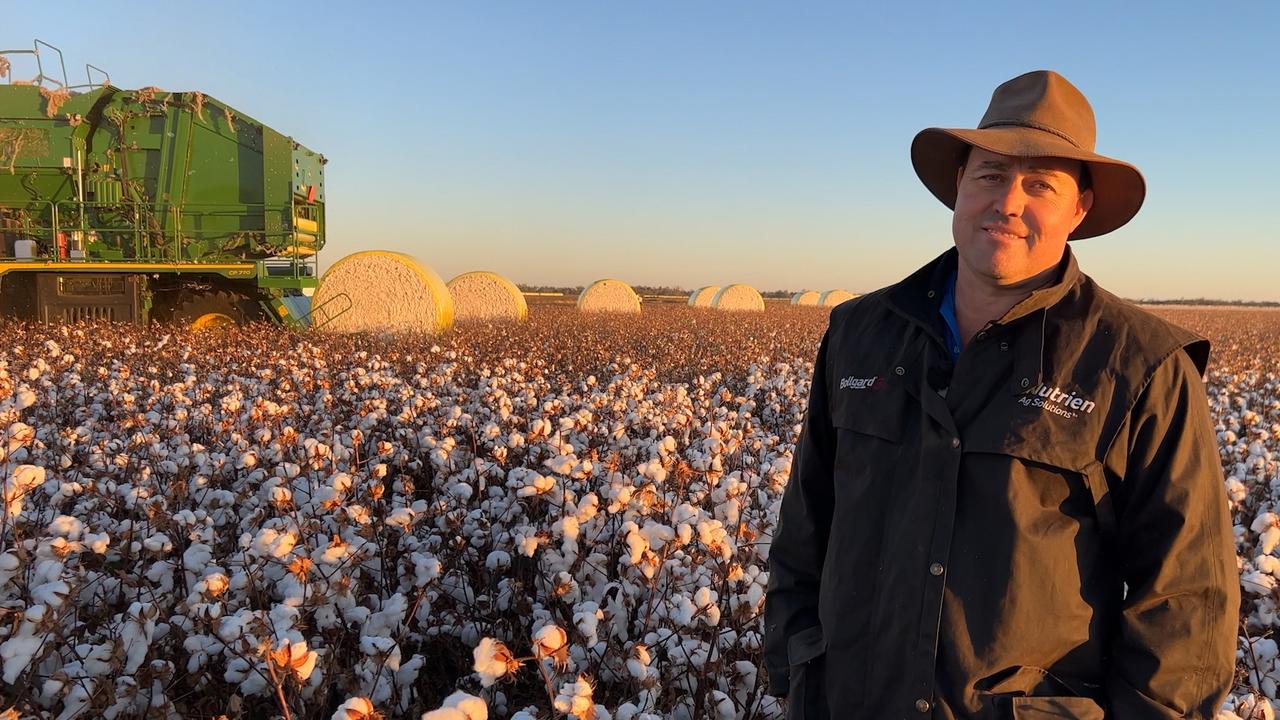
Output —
<point x="695" y="143"/>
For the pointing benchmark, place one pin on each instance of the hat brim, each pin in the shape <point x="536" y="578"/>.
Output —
<point x="1118" y="187"/>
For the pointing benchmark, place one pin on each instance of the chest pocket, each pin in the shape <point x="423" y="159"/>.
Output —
<point x="1052" y="448"/>
<point x="869" y="442"/>
<point x="876" y="412"/>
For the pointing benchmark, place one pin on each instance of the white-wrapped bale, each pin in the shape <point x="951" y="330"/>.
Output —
<point x="703" y="296"/>
<point x="738" y="297"/>
<point x="609" y="295"/>
<point x="806" y="297"/>
<point x="832" y="298"/>
<point x="384" y="291"/>
<point x="486" y="296"/>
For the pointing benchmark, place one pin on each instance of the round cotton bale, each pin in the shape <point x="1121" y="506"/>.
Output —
<point x="487" y="297"/>
<point x="380" y="290"/>
<point x="806" y="297"/>
<point x="832" y="298"/>
<point x="738" y="297"/>
<point x="609" y="295"/>
<point x="703" y="296"/>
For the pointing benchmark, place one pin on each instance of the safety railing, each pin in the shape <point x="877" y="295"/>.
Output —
<point x="74" y="231"/>
<point x="43" y="79"/>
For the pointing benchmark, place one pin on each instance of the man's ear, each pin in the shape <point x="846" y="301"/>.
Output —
<point x="960" y="176"/>
<point x="1085" y="203"/>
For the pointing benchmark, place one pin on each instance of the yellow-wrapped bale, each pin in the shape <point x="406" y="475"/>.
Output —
<point x="487" y="297"/>
<point x="806" y="297"/>
<point x="738" y="297"/>
<point x="609" y="295"/>
<point x="832" y="298"/>
<point x="703" y="296"/>
<point x="381" y="291"/>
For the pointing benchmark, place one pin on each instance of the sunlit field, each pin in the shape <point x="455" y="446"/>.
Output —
<point x="565" y="518"/>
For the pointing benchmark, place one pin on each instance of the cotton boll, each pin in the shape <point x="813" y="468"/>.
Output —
<point x="1257" y="583"/>
<point x="1269" y="540"/>
<point x="1264" y="521"/>
<point x="574" y="699"/>
<point x="472" y="707"/>
<point x="356" y="708"/>
<point x="196" y="557"/>
<point x="446" y="713"/>
<point x="497" y="560"/>
<point x="586" y="618"/>
<point x="137" y="633"/>
<point x="493" y="661"/>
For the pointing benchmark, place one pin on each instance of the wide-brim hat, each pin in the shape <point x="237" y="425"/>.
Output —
<point x="1039" y="114"/>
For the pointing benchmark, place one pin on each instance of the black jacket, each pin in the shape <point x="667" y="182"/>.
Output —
<point x="1037" y="531"/>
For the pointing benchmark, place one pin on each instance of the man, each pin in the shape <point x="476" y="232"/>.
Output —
<point x="1006" y="501"/>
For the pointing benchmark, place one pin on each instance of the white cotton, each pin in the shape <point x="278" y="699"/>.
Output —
<point x="96" y="542"/>
<point x="446" y="713"/>
<point x="472" y="707"/>
<point x="497" y="560"/>
<point x="1257" y="583"/>
<point x="356" y="708"/>
<point x="66" y="526"/>
<point x="426" y="568"/>
<point x="574" y="698"/>
<point x="400" y="518"/>
<point x="20" y="481"/>
<point x="1269" y="540"/>
<point x="334" y="552"/>
<point x="51" y="594"/>
<point x="196" y="557"/>
<point x="77" y="699"/>
<point x="1264" y="521"/>
<point x="270" y="542"/>
<point x="137" y="633"/>
<point x="490" y="661"/>
<point x="18" y="653"/>
<point x="1269" y="564"/>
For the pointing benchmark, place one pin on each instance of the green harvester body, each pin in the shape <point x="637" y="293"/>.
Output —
<point x="164" y="195"/>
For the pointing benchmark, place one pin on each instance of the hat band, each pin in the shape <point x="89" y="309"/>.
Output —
<point x="1033" y="126"/>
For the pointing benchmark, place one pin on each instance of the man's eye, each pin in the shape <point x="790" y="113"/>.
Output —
<point x="1042" y="186"/>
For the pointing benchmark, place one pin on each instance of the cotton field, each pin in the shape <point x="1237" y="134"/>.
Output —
<point x="568" y="517"/>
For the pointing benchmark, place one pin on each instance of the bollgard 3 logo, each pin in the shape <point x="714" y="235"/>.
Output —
<point x="1057" y="401"/>
<point x="861" y="383"/>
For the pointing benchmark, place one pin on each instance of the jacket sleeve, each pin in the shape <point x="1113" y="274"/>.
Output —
<point x="1173" y="655"/>
<point x="799" y="544"/>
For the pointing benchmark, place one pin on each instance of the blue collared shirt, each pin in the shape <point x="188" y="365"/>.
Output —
<point x="948" y="311"/>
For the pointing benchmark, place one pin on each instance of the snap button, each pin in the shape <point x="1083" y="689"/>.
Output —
<point x="899" y="371"/>
<point x="935" y="569"/>
<point x="1004" y="345"/>
<point x="922" y="705"/>
<point x="932" y="293"/>
<point x="1026" y="382"/>
<point x="955" y="443"/>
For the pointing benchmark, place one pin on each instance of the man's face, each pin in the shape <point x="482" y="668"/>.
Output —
<point x="1013" y="215"/>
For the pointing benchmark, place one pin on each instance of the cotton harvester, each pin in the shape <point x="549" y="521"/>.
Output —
<point x="131" y="205"/>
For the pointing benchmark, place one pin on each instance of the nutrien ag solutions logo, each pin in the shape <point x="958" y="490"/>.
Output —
<point x="1057" y="401"/>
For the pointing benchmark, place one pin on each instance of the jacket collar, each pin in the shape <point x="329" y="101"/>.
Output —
<point x="919" y="298"/>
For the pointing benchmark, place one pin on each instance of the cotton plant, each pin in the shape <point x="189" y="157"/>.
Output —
<point x="579" y="505"/>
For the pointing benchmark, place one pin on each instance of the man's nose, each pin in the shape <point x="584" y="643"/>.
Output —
<point x="1010" y="199"/>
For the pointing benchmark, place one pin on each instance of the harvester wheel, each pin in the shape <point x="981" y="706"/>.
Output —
<point x="215" y="310"/>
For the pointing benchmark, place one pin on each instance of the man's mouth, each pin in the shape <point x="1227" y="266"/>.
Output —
<point x="1003" y="233"/>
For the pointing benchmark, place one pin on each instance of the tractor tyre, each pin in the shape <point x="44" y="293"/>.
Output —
<point x="214" y="310"/>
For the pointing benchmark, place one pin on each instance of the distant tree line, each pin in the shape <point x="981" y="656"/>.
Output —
<point x="1210" y="301"/>
<point x="640" y="290"/>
